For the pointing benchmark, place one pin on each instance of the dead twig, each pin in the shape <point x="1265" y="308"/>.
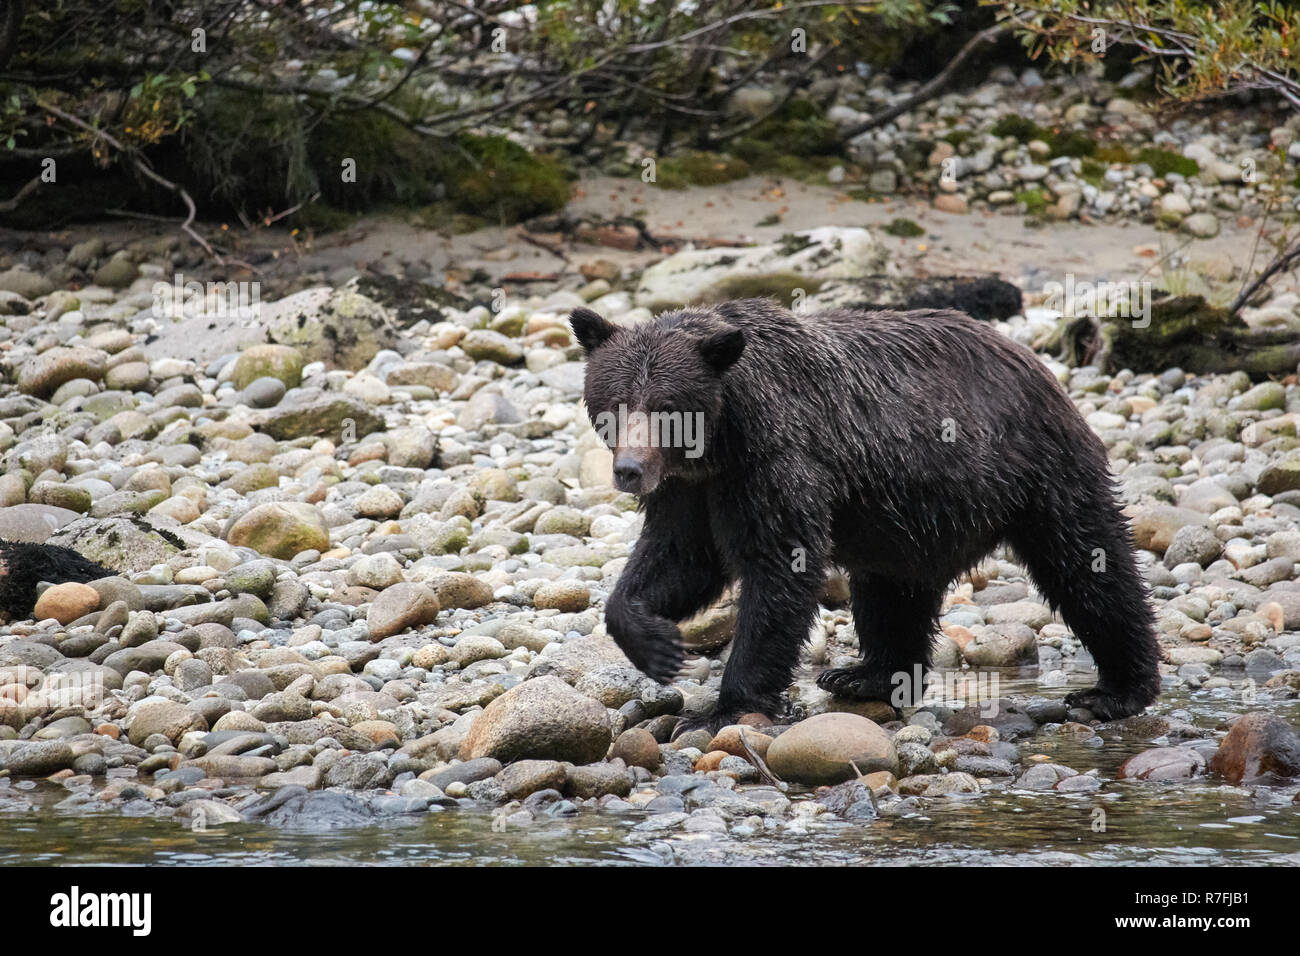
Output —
<point x="187" y="225"/>
<point x="760" y="765"/>
<point x="553" y="248"/>
<point x="1279" y="264"/>
<point x="930" y="88"/>
<point x="9" y="205"/>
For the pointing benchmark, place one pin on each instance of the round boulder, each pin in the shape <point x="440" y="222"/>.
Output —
<point x="540" y="719"/>
<point x="281" y="529"/>
<point x="825" y="750"/>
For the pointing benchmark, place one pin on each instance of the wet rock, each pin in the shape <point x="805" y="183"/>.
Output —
<point x="341" y="327"/>
<point x="486" y="345"/>
<point x="543" y="718"/>
<point x="1163" y="763"/>
<point x="1154" y="528"/>
<point x="359" y="772"/>
<point x="1259" y="747"/>
<point x="637" y="748"/>
<point x="277" y="362"/>
<point x="66" y="602"/>
<point x="24" y="282"/>
<point x="281" y="529"/>
<point x="568" y="596"/>
<point x="826" y="748"/>
<point x="165" y="717"/>
<point x="234" y="766"/>
<point x="1000" y="645"/>
<point x="598" y="780"/>
<point x="850" y="801"/>
<point x="44" y="373"/>
<point x="311" y="411"/>
<point x="402" y="607"/>
<point x="33" y="523"/>
<point x="458" y="590"/>
<point x="465" y="772"/>
<point x="1193" y="543"/>
<point x="525" y="777"/>
<point x="39" y="759"/>
<point x="125" y="544"/>
<point x="1002" y="714"/>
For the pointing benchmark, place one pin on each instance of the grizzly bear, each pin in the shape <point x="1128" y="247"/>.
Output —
<point x="903" y="447"/>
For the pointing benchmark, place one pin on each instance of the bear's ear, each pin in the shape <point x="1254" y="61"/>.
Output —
<point x="590" y="329"/>
<point x="721" y="349"/>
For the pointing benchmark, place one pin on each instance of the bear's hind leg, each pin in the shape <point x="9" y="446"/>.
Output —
<point x="896" y="624"/>
<point x="1081" y="559"/>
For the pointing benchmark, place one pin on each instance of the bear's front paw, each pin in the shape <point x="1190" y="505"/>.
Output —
<point x="1106" y="704"/>
<point x="856" y="683"/>
<point x="653" y="644"/>
<point x="659" y="657"/>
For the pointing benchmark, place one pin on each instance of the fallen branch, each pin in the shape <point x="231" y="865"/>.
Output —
<point x="1180" y="331"/>
<point x="553" y="248"/>
<point x="931" y="88"/>
<point x="187" y="226"/>
<point x="9" y="205"/>
<point x="1277" y="265"/>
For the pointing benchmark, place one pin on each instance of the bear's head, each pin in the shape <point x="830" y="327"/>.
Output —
<point x="655" y="391"/>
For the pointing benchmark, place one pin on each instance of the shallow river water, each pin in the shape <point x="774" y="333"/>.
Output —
<point x="1200" y="822"/>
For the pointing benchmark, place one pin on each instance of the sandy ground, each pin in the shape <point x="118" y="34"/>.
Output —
<point x="976" y="243"/>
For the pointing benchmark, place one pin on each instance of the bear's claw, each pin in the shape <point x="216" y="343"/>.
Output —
<point x="661" y="661"/>
<point x="855" y="683"/>
<point x="1105" y="704"/>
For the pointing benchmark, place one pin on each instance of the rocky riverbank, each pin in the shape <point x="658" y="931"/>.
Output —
<point x="360" y="564"/>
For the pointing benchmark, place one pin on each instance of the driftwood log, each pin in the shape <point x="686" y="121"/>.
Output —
<point x="981" y="297"/>
<point x="1184" y="332"/>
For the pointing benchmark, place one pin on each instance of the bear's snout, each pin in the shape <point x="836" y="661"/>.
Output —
<point x="637" y="470"/>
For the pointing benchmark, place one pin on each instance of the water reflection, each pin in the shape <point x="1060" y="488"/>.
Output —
<point x="1197" y="822"/>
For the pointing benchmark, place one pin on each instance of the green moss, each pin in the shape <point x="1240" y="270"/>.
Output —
<point x="904" y="228"/>
<point x="790" y="243"/>
<point x="959" y="136"/>
<point x="1073" y="143"/>
<point x="799" y="128"/>
<point x="1035" y="200"/>
<point x="1020" y="128"/>
<point x="763" y="157"/>
<point x="321" y="217"/>
<point x="259" y="153"/>
<point x="443" y="217"/>
<point x="1094" y="172"/>
<point x="699" y="169"/>
<point x="392" y="163"/>
<point x="1113" y="153"/>
<point x="494" y="176"/>
<point x="1067" y="143"/>
<point x="1166" y="161"/>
